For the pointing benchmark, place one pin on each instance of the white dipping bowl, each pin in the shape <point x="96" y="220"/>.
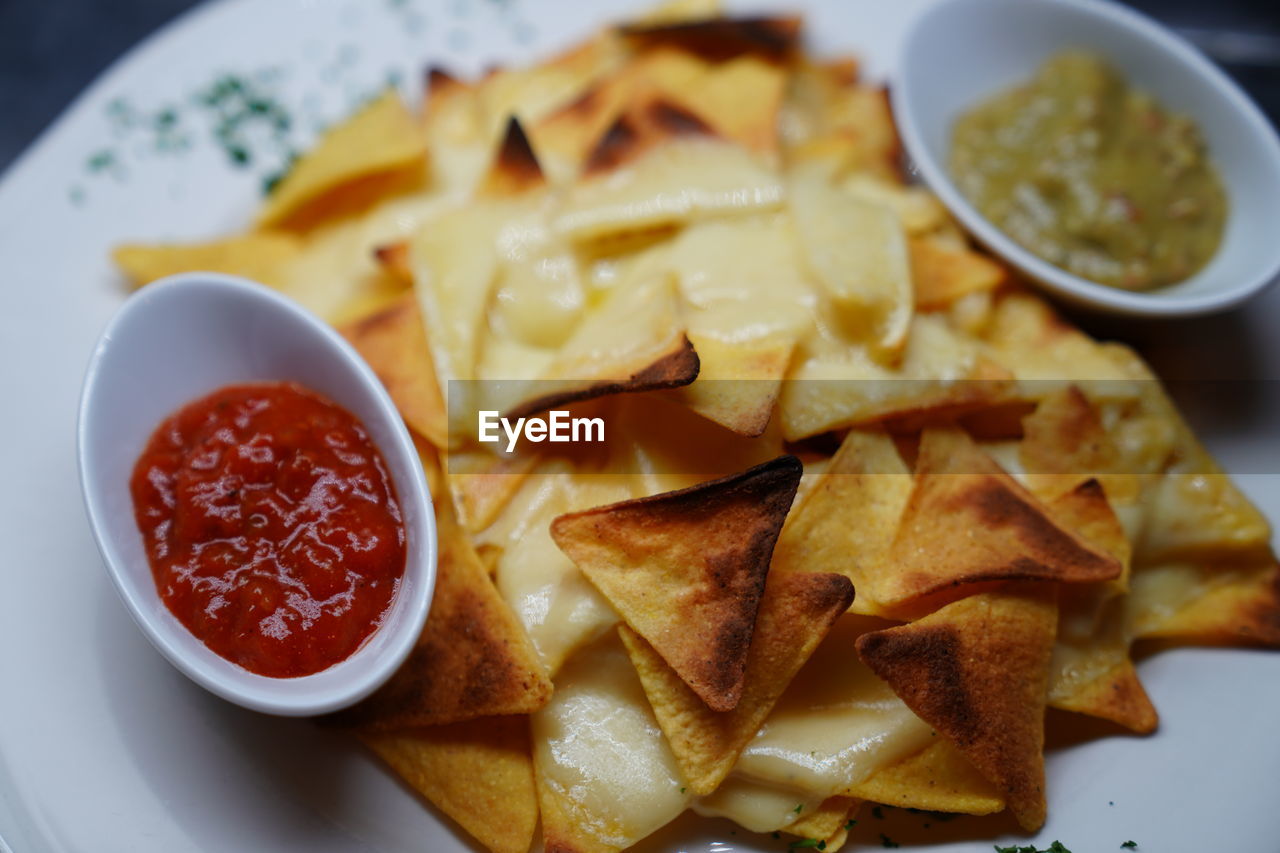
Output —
<point x="177" y="340"/>
<point x="959" y="53"/>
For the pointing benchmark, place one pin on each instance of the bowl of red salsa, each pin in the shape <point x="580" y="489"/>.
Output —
<point x="258" y="502"/>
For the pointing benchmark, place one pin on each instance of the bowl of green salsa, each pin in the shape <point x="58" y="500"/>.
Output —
<point x="1098" y="153"/>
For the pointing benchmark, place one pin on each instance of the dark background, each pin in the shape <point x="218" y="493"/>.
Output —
<point x="51" y="49"/>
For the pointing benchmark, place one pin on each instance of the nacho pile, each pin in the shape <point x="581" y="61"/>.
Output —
<point x="868" y="506"/>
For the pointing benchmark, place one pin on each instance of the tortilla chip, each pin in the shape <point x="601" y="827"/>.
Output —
<point x="482" y="484"/>
<point x="472" y="660"/>
<point x="515" y="168"/>
<point x="827" y="822"/>
<point x="937" y="778"/>
<point x="941" y="374"/>
<point x="967" y="522"/>
<point x="480" y="773"/>
<point x="977" y="671"/>
<point x="380" y="139"/>
<point x="721" y="39"/>
<point x="848" y="522"/>
<point x="1044" y="352"/>
<point x="738" y="382"/>
<point x="1065" y="443"/>
<point x="660" y="165"/>
<point x="560" y="830"/>
<point x="1223" y="601"/>
<point x="632" y="342"/>
<point x="796" y="612"/>
<point x="263" y="256"/>
<point x="394" y="343"/>
<point x="686" y="569"/>
<point x="740" y="99"/>
<point x="943" y="274"/>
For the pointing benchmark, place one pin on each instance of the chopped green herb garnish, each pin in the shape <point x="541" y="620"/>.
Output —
<point x="1130" y="845"/>
<point x="807" y="843"/>
<point x="798" y="808"/>
<point x="886" y="841"/>
<point x="683" y="789"/>
<point x="102" y="160"/>
<point x="1055" y="847"/>
<point x="878" y="813"/>
<point x="849" y="825"/>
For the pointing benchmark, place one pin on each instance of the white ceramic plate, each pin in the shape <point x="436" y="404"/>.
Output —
<point x="105" y="747"/>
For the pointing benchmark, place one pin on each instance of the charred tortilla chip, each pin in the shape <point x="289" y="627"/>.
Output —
<point x="967" y="521"/>
<point x="472" y="660"/>
<point x="796" y="612"/>
<point x="721" y="39"/>
<point x="394" y="343"/>
<point x="515" y="168"/>
<point x="480" y="773"/>
<point x="263" y="256"/>
<point x="977" y="671"/>
<point x="686" y="569"/>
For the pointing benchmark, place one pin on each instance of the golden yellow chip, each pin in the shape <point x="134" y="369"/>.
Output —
<point x="969" y="522"/>
<point x="472" y="660"/>
<point x="937" y="778"/>
<point x="263" y="256"/>
<point x="379" y="140"/>
<point x="943" y="274"/>
<point x="394" y="343"/>
<point x="480" y="773"/>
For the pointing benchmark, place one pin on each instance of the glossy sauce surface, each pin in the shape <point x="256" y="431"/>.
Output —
<point x="271" y="525"/>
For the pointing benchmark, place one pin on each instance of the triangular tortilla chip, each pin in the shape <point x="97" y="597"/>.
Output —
<point x="263" y="256"/>
<point x="937" y="778"/>
<point x="632" y="342"/>
<point x="686" y="569"/>
<point x="660" y="165"/>
<point x="1230" y="600"/>
<point x="942" y="274"/>
<point x="796" y="612"/>
<point x="480" y="773"/>
<point x="515" y="168"/>
<point x="381" y="138"/>
<point x="827" y="822"/>
<point x="738" y="382"/>
<point x="472" y="660"/>
<point x="969" y="522"/>
<point x="1065" y="443"/>
<point x="721" y="39"/>
<point x="394" y="342"/>
<point x="977" y="671"/>
<point x="847" y="523"/>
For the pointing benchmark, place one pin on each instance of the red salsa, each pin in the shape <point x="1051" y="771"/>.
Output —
<point x="271" y="525"/>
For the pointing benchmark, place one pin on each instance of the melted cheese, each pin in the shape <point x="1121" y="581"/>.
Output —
<point x="755" y="806"/>
<point x="836" y="724"/>
<point x="556" y="604"/>
<point x="599" y="748"/>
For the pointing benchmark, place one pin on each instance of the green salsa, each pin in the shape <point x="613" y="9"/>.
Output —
<point x="1092" y="176"/>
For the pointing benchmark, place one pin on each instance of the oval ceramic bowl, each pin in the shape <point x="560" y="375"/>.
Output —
<point x="186" y="336"/>
<point x="959" y="53"/>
